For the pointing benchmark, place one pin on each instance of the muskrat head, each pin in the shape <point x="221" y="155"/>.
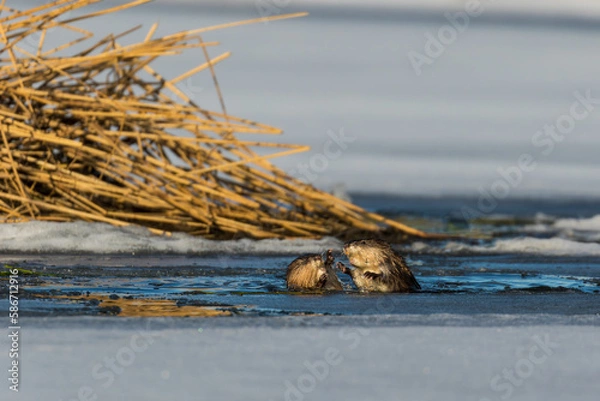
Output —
<point x="315" y="261"/>
<point x="366" y="253"/>
<point x="311" y="262"/>
<point x="305" y="272"/>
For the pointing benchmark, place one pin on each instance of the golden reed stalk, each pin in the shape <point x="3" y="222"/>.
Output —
<point x="100" y="136"/>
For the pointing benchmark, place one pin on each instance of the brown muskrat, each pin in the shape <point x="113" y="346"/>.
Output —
<point x="311" y="272"/>
<point x="377" y="267"/>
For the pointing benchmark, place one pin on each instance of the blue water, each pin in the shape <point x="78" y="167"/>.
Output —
<point x="250" y="283"/>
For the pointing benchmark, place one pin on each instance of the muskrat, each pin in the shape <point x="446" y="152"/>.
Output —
<point x="311" y="272"/>
<point x="377" y="267"/>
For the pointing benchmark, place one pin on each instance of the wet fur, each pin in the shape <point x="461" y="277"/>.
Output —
<point x="377" y="267"/>
<point x="311" y="272"/>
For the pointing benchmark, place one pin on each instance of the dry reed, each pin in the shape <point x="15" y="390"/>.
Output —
<point x="100" y="136"/>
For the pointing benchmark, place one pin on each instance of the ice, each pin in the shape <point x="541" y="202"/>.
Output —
<point x="76" y="237"/>
<point x="591" y="224"/>
<point x="542" y="246"/>
<point x="525" y="245"/>
<point x="579" y="229"/>
<point x="194" y="359"/>
<point x="50" y="237"/>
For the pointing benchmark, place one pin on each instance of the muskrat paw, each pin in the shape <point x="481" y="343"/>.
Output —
<point x="329" y="259"/>
<point x="371" y="275"/>
<point x="322" y="281"/>
<point x="343" y="268"/>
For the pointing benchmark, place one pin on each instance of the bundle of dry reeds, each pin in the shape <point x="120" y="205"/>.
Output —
<point x="101" y="136"/>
